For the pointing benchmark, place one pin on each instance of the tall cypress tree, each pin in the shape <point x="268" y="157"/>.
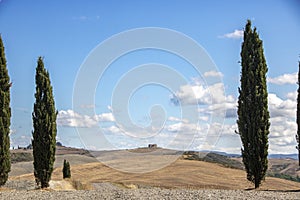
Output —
<point x="253" y="115"/>
<point x="5" y="115"/>
<point x="298" y="116"/>
<point x="44" y="127"/>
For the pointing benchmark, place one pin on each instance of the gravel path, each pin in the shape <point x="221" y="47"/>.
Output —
<point x="110" y="192"/>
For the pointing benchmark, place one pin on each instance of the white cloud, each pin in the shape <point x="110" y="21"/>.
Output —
<point x="292" y="95"/>
<point x="104" y="117"/>
<point x="110" y="108"/>
<point x="183" y="127"/>
<point x="236" y="34"/>
<point x="70" y="118"/>
<point x="203" y="118"/>
<point x="73" y="119"/>
<point x="178" y="133"/>
<point x="112" y="129"/>
<point x="284" y="79"/>
<point x="198" y="94"/>
<point x="281" y="108"/>
<point x="211" y="100"/>
<point x="175" y="119"/>
<point x="282" y="135"/>
<point x="227" y="109"/>
<point x="213" y="74"/>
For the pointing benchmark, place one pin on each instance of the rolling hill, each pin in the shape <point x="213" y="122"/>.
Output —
<point x="212" y="171"/>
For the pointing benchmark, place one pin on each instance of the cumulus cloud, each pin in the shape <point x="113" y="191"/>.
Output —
<point x="213" y="74"/>
<point x="284" y="79"/>
<point x="292" y="95"/>
<point x="281" y="108"/>
<point x="282" y="135"/>
<point x="191" y="95"/>
<point x="104" y="117"/>
<point x="211" y="99"/>
<point x="70" y="118"/>
<point x="236" y="34"/>
<point x="227" y="109"/>
<point x="198" y="94"/>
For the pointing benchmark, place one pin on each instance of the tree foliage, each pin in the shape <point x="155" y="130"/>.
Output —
<point x="44" y="127"/>
<point x="298" y="117"/>
<point x="253" y="115"/>
<point x="5" y="115"/>
<point x="66" y="170"/>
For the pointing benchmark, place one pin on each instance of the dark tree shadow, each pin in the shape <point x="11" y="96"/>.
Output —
<point x="249" y="189"/>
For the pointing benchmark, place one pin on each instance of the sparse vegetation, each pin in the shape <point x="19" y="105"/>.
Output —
<point x="78" y="185"/>
<point x="44" y="127"/>
<point x="213" y="158"/>
<point x="253" y="115"/>
<point x="285" y="176"/>
<point x="5" y="115"/>
<point x="21" y="157"/>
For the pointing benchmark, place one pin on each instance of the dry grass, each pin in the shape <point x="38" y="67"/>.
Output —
<point x="2" y="189"/>
<point x="180" y="174"/>
<point x="126" y="186"/>
<point x="188" y="174"/>
<point x="80" y="185"/>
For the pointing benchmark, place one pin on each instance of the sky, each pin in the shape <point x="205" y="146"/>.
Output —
<point x="129" y="73"/>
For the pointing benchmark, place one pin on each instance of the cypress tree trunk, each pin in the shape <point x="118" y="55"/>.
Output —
<point x="253" y="115"/>
<point x="5" y="115"/>
<point x="298" y="117"/>
<point x="44" y="127"/>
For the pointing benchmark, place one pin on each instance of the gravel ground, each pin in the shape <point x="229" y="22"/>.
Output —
<point x="109" y="191"/>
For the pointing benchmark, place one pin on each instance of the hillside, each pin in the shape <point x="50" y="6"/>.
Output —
<point x="180" y="174"/>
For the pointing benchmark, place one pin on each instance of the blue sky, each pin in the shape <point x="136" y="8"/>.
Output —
<point x="66" y="32"/>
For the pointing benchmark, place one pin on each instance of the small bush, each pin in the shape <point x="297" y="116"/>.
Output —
<point x="66" y="170"/>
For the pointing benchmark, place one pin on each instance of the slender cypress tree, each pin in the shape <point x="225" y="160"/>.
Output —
<point x="253" y="115"/>
<point x="298" y="116"/>
<point x="5" y="115"/>
<point x="66" y="170"/>
<point x="44" y="127"/>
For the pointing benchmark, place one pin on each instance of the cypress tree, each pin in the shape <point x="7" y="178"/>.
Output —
<point x="44" y="127"/>
<point x="253" y="115"/>
<point x="298" y="116"/>
<point x="5" y="115"/>
<point x="66" y="170"/>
